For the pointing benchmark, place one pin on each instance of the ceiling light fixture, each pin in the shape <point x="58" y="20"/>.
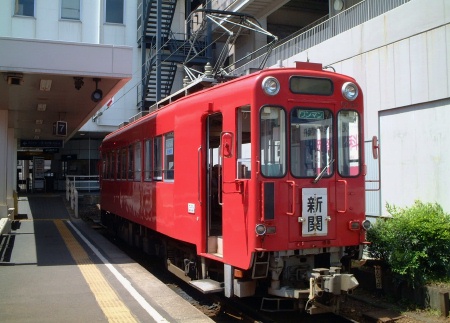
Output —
<point x="45" y="85"/>
<point x="39" y="121"/>
<point x="41" y="107"/>
<point x="97" y="95"/>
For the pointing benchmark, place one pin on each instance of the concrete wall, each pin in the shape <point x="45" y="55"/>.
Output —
<point x="401" y="59"/>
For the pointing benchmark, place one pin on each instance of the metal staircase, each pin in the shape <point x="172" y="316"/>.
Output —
<point x="162" y="50"/>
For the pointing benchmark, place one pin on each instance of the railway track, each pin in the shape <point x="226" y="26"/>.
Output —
<point x="219" y="308"/>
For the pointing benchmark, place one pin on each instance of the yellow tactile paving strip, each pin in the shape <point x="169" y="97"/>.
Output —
<point x="108" y="300"/>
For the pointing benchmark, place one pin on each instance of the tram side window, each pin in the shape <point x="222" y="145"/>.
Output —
<point x="130" y="163"/>
<point x="273" y="141"/>
<point x="109" y="165"/>
<point x="169" y="157"/>
<point x="311" y="142"/>
<point x="148" y="160"/>
<point x="157" y="159"/>
<point x="113" y="174"/>
<point x="137" y="161"/>
<point x="244" y="150"/>
<point x="123" y="162"/>
<point x="348" y="143"/>
<point x="104" y="165"/>
<point x="119" y="165"/>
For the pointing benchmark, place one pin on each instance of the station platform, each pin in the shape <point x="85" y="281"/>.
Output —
<point x="54" y="268"/>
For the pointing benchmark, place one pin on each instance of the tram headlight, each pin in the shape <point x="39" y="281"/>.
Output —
<point x="366" y="225"/>
<point x="350" y="91"/>
<point x="260" y="229"/>
<point x="271" y="86"/>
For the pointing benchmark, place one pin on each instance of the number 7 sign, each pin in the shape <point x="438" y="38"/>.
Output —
<point x="60" y="128"/>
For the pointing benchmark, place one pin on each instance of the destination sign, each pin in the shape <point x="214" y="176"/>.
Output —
<point x="311" y="114"/>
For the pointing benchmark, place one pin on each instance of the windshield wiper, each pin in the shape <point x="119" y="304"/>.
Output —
<point x="323" y="172"/>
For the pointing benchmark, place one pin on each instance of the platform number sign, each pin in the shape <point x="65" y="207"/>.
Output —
<point x="314" y="211"/>
<point x="60" y="128"/>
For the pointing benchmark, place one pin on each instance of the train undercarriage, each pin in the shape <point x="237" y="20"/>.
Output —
<point x="305" y="280"/>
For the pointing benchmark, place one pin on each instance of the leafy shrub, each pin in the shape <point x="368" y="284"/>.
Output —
<point x="415" y="242"/>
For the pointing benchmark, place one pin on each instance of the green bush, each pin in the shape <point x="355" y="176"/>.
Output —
<point x="415" y="242"/>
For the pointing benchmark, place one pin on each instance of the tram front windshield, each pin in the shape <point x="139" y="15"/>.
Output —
<point x="311" y="142"/>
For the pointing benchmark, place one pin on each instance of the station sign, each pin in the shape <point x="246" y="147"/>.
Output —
<point x="60" y="128"/>
<point x="41" y="143"/>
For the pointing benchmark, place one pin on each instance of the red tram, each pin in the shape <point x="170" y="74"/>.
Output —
<point x="268" y="189"/>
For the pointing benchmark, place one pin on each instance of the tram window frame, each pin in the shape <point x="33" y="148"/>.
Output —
<point x="169" y="157"/>
<point x="148" y="160"/>
<point x="123" y="161"/>
<point x="130" y="160"/>
<point x="113" y="165"/>
<point x="108" y="165"/>
<point x="104" y="165"/>
<point x="306" y="152"/>
<point x="119" y="165"/>
<point x="157" y="158"/>
<point x="343" y="150"/>
<point x="244" y="143"/>
<point x="268" y="134"/>
<point x="137" y="150"/>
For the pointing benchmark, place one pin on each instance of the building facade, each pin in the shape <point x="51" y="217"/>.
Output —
<point x="398" y="50"/>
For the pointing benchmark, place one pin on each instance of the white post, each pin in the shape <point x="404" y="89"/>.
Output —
<point x="4" y="162"/>
<point x="75" y="197"/>
<point x="72" y="187"/>
<point x="67" y="189"/>
<point x="11" y="180"/>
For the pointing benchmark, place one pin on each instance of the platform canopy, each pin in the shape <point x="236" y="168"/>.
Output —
<point x="43" y="82"/>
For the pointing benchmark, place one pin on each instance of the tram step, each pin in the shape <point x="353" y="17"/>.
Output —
<point x="207" y="286"/>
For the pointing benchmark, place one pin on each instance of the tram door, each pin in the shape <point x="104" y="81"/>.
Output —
<point x="213" y="178"/>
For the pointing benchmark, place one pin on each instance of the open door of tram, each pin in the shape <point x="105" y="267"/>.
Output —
<point x="213" y="178"/>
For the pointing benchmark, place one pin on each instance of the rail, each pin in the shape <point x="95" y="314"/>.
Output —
<point x="80" y="183"/>
<point x="321" y="31"/>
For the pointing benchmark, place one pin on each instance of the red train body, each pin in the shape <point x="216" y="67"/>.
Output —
<point x="256" y="181"/>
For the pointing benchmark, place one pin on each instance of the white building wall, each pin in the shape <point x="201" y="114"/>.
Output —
<point x="415" y="155"/>
<point x="91" y="19"/>
<point x="124" y="102"/>
<point x="402" y="61"/>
